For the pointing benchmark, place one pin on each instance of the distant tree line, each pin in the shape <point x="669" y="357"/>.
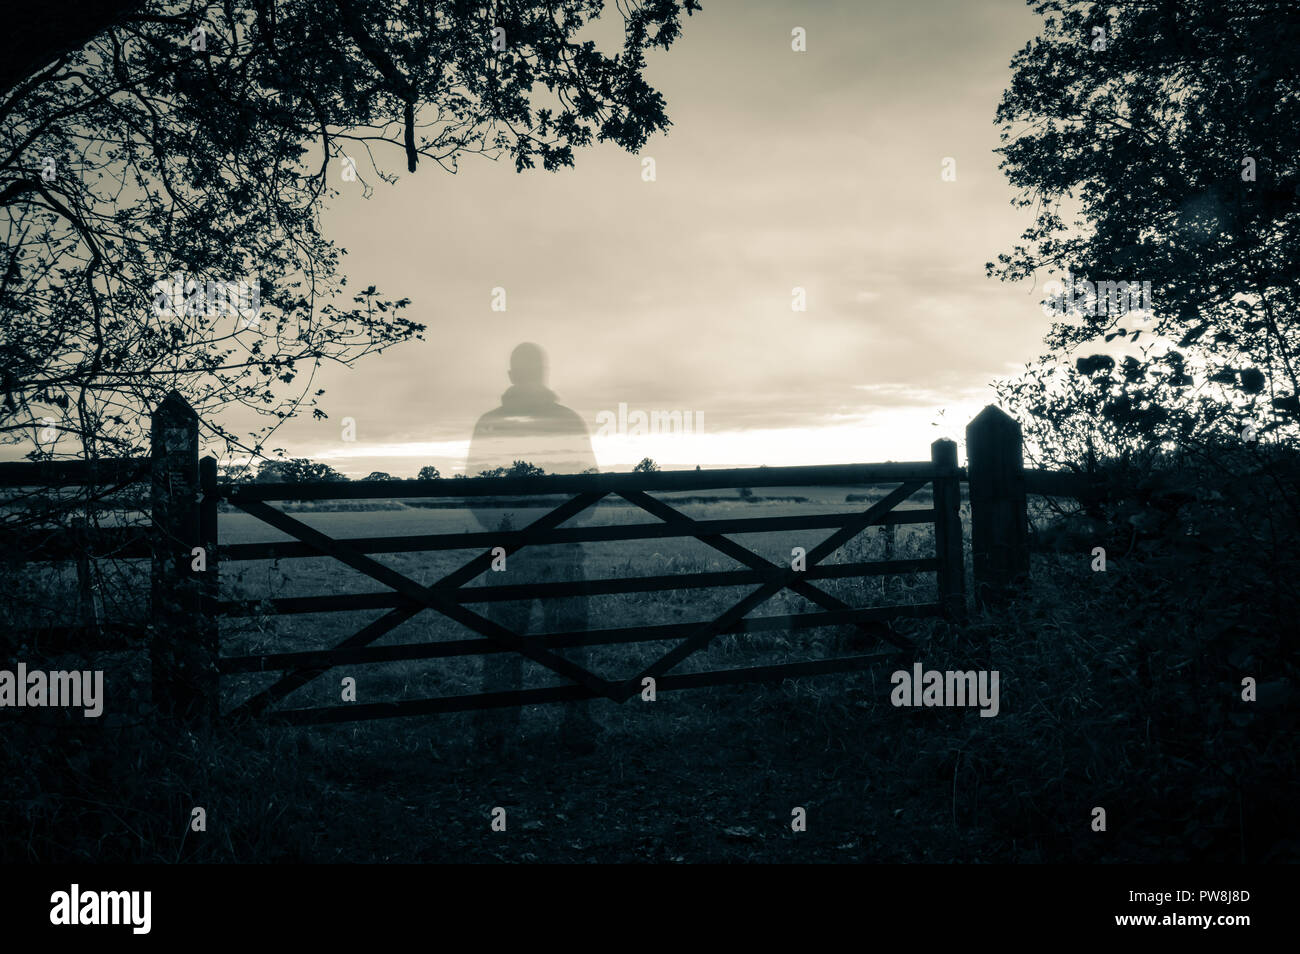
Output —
<point x="301" y="470"/>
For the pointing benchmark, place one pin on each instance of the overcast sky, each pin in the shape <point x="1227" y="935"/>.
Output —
<point x="818" y="169"/>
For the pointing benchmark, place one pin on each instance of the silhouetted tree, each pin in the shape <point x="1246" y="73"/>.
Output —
<point x="645" y="466"/>
<point x="428" y="472"/>
<point x="378" y="475"/>
<point x="1175" y="140"/>
<point x="519" y="468"/>
<point x="297" y="470"/>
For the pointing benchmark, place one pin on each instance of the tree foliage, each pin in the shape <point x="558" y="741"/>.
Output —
<point x="297" y="470"/>
<point x="192" y="142"/>
<point x="520" y="468"/>
<point x="1168" y="156"/>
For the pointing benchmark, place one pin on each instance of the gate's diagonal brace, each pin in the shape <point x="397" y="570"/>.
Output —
<point x="729" y="547"/>
<point x="298" y="678"/>
<point x="705" y="634"/>
<point x="431" y="597"/>
<point x="570" y="508"/>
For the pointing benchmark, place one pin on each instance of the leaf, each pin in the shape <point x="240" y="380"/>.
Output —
<point x="1289" y="404"/>
<point x="1252" y="380"/>
<point x="1095" y="363"/>
<point x="1193" y="335"/>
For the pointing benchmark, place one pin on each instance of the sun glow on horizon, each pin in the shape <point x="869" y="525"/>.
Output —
<point x="896" y="433"/>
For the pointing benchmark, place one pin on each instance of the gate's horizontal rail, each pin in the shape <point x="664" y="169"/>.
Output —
<point x="323" y="658"/>
<point x="546" y="694"/>
<point x="293" y="549"/>
<point x="824" y="475"/>
<point x="67" y="473"/>
<point x="685" y="581"/>
<point x="134" y="543"/>
<point x="55" y="546"/>
<point x="286" y="605"/>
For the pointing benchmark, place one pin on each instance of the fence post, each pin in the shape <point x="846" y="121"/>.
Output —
<point x="180" y="664"/>
<point x="999" y="516"/>
<point x="209" y="586"/>
<point x="947" y="528"/>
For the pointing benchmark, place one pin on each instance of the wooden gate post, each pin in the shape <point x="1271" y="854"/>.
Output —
<point x="183" y="666"/>
<point x="209" y="585"/>
<point x="947" y="528"/>
<point x="999" y="515"/>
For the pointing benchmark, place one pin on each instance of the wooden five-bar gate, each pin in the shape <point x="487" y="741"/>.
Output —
<point x="185" y="546"/>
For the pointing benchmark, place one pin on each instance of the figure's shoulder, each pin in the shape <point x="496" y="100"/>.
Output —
<point x="489" y="418"/>
<point x="571" y="418"/>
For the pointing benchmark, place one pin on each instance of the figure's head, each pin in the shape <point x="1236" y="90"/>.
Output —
<point x="528" y="365"/>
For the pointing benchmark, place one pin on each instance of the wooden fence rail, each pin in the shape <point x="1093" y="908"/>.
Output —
<point x="183" y="543"/>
